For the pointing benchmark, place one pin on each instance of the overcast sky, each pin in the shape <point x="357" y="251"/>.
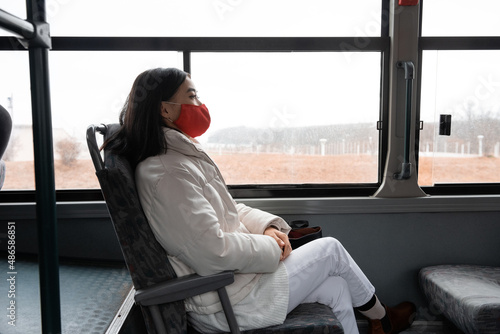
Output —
<point x="292" y="89"/>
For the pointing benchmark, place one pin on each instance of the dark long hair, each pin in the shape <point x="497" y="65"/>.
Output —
<point x="141" y="133"/>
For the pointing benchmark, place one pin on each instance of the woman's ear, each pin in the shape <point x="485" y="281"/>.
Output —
<point x="164" y="111"/>
<point x="170" y="111"/>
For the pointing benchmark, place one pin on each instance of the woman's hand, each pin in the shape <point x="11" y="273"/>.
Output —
<point x="282" y="240"/>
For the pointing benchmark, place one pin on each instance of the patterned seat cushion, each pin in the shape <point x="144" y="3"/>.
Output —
<point x="304" y="319"/>
<point x="147" y="262"/>
<point x="467" y="295"/>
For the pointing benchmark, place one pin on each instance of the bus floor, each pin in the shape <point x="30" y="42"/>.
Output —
<point x="92" y="296"/>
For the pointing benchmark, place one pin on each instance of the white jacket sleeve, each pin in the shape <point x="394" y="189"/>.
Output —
<point x="186" y="225"/>
<point x="256" y="221"/>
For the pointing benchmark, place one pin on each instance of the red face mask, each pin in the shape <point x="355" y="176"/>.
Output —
<point x="193" y="120"/>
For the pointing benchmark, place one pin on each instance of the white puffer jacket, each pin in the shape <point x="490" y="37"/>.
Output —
<point x="196" y="220"/>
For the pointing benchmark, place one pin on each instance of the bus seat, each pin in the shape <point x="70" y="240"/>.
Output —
<point x="158" y="291"/>
<point x="2" y="173"/>
<point x="5" y="130"/>
<point x="467" y="295"/>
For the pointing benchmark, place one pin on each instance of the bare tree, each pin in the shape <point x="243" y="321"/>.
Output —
<point x="476" y="120"/>
<point x="68" y="149"/>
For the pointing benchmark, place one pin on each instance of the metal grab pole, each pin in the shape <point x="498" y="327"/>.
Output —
<point x="406" y="165"/>
<point x="44" y="171"/>
<point x="35" y="36"/>
<point x="16" y="25"/>
<point x="48" y="258"/>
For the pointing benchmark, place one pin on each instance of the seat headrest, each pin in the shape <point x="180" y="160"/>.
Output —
<point x="5" y="129"/>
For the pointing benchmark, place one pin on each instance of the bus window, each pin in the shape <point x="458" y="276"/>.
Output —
<point x="215" y="18"/>
<point x="15" y="96"/>
<point x="465" y="85"/>
<point x="461" y="17"/>
<point x="292" y="117"/>
<point x="86" y="88"/>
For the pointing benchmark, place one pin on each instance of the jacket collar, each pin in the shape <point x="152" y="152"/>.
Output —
<point x="179" y="142"/>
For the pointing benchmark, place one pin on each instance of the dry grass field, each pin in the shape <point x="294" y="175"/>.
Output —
<point x="281" y="168"/>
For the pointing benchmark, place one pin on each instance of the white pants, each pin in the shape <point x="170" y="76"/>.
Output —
<point x="322" y="271"/>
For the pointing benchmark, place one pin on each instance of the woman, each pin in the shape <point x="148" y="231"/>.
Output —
<point x="204" y="231"/>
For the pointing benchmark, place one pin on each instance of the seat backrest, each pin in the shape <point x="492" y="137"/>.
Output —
<point x="146" y="259"/>
<point x="5" y="130"/>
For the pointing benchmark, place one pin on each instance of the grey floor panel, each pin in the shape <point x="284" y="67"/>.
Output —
<point x="91" y="296"/>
